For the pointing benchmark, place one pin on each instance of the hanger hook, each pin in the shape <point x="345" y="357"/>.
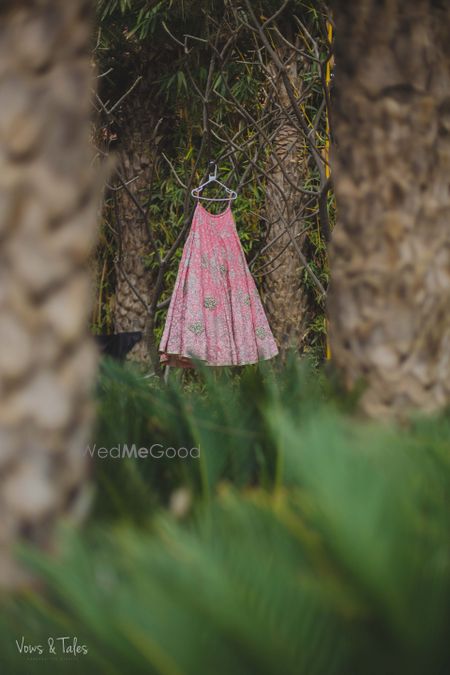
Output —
<point x="212" y="169"/>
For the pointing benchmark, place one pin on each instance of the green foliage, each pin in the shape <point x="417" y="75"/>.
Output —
<point x="133" y="409"/>
<point x="139" y="20"/>
<point x="341" y="565"/>
<point x="103" y="279"/>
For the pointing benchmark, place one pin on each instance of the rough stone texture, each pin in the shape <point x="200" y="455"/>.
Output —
<point x="390" y="258"/>
<point x="47" y="230"/>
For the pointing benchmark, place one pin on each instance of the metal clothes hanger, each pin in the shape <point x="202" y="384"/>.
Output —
<point x="232" y="194"/>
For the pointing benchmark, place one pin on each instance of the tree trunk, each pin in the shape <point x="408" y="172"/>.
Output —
<point x="134" y="279"/>
<point x="285" y="297"/>
<point x="47" y="227"/>
<point x="390" y="258"/>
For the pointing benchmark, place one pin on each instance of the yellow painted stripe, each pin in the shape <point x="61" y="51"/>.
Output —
<point x="327" y="156"/>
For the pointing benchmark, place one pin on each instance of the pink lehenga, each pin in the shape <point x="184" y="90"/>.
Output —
<point x="215" y="314"/>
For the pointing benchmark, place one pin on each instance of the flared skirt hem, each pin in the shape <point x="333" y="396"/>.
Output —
<point x="177" y="360"/>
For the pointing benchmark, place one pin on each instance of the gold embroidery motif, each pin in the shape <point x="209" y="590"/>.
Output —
<point x="261" y="333"/>
<point x="210" y="302"/>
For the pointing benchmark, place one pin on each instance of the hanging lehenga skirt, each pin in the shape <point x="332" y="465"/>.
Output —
<point x="215" y="314"/>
